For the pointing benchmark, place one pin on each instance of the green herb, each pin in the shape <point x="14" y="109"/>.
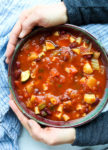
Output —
<point x="59" y="85"/>
<point x="87" y="41"/>
<point x="41" y="70"/>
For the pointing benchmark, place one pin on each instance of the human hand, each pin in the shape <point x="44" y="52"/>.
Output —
<point x="48" y="135"/>
<point x="42" y="15"/>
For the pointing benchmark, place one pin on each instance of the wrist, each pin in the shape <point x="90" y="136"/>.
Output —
<point x="64" y="11"/>
<point x="72" y="136"/>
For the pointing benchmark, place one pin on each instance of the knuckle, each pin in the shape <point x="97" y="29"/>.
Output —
<point x="51" y="142"/>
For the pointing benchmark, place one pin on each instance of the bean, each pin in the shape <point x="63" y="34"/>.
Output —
<point x="73" y="45"/>
<point x="37" y="60"/>
<point x="47" y="111"/>
<point x="43" y="113"/>
<point x="18" y="64"/>
<point x="63" y="32"/>
<point x="42" y="40"/>
<point x="89" y="56"/>
<point x="17" y="74"/>
<point x="96" y="102"/>
<point x="20" y="97"/>
<point x="36" y="91"/>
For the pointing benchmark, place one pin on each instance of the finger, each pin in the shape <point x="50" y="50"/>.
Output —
<point x="13" y="39"/>
<point x="35" y="130"/>
<point x="19" y="114"/>
<point x="14" y="35"/>
<point x="28" y="24"/>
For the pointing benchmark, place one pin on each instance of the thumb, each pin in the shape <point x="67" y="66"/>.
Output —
<point x="28" y="25"/>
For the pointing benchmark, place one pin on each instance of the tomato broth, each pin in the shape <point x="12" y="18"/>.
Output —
<point x="59" y="75"/>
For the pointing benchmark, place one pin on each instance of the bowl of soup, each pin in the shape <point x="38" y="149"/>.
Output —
<point x="58" y="76"/>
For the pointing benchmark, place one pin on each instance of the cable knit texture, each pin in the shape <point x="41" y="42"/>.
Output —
<point x="87" y="11"/>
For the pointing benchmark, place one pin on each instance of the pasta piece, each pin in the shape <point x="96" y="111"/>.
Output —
<point x="60" y="108"/>
<point x="36" y="110"/>
<point x="66" y="117"/>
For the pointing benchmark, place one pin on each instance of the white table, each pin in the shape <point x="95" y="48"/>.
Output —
<point x="27" y="143"/>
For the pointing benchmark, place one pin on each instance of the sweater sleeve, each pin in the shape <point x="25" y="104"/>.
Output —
<point x="82" y="12"/>
<point x="93" y="133"/>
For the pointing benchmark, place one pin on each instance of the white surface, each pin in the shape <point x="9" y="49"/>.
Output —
<point x="27" y="143"/>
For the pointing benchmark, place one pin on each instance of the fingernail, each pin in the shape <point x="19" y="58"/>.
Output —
<point x="21" y="35"/>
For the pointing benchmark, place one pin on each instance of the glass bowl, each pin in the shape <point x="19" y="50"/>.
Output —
<point x="62" y="124"/>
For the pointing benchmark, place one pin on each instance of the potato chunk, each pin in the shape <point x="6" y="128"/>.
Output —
<point x="76" y="50"/>
<point x="83" y="80"/>
<point x="56" y="33"/>
<point x="89" y="98"/>
<point x="72" y="39"/>
<point x="49" y="45"/>
<point x="96" y="55"/>
<point x="87" y="68"/>
<point x="79" y="40"/>
<point x="71" y="69"/>
<point x="91" y="82"/>
<point x="29" y="87"/>
<point x="45" y="87"/>
<point x="25" y="75"/>
<point x="32" y="56"/>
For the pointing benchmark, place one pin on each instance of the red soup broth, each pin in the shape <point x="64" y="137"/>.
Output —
<point x="59" y="76"/>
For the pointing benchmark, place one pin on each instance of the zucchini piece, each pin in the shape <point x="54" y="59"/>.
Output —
<point x="95" y="64"/>
<point x="25" y="75"/>
<point x="41" y="106"/>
